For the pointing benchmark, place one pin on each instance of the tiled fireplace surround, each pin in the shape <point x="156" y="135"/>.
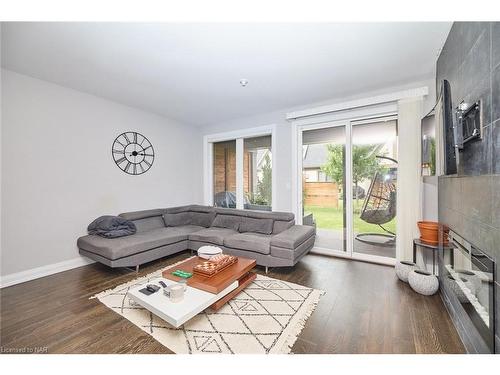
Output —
<point x="469" y="202"/>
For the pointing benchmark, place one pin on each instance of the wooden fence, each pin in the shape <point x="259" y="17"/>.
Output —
<point x="323" y="194"/>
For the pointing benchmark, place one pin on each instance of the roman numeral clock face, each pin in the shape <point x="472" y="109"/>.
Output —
<point x="133" y="153"/>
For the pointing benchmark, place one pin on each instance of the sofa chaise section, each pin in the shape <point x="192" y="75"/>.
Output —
<point x="293" y="243"/>
<point x="152" y="241"/>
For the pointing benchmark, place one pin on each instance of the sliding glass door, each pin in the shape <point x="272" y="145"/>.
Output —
<point x="358" y="221"/>
<point x="323" y="191"/>
<point x="374" y="181"/>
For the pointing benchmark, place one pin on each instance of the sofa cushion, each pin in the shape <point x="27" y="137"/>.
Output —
<point x="212" y="235"/>
<point x="149" y="223"/>
<point x="273" y="215"/>
<point x="203" y="219"/>
<point x="292" y="237"/>
<point x="255" y="242"/>
<point x="230" y="211"/>
<point x="256" y="214"/>
<point x="175" y="220"/>
<point x="184" y="230"/>
<point x="280" y="226"/>
<point x="190" y="208"/>
<point x="227" y="221"/>
<point x="293" y="254"/>
<point x="117" y="248"/>
<point x="136" y="215"/>
<point x="264" y="226"/>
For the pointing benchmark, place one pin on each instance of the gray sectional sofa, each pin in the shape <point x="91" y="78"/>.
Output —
<point x="271" y="238"/>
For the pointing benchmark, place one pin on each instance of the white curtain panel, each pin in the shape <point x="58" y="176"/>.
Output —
<point x="409" y="208"/>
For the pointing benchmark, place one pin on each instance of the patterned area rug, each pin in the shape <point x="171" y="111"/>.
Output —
<point x="266" y="317"/>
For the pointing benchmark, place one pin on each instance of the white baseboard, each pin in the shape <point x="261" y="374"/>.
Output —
<point x="35" y="273"/>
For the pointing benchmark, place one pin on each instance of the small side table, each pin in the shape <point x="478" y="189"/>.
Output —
<point x="433" y="248"/>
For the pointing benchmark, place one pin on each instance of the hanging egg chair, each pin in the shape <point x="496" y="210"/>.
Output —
<point x="379" y="206"/>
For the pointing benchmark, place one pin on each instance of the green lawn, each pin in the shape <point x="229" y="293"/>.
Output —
<point x="332" y="218"/>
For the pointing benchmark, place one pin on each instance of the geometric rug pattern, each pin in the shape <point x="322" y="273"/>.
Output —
<point x="266" y="317"/>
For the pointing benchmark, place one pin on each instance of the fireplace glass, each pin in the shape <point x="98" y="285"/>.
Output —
<point x="469" y="275"/>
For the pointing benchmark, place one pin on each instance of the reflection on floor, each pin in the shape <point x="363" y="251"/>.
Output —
<point x="331" y="239"/>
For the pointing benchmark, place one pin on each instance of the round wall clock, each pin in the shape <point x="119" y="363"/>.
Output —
<point x="133" y="153"/>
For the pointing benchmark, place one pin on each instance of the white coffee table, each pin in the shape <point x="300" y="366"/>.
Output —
<point x="177" y="313"/>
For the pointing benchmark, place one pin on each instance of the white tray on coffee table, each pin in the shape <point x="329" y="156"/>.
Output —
<point x="177" y="313"/>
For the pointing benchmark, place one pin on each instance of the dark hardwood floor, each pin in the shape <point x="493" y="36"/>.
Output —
<point x="365" y="310"/>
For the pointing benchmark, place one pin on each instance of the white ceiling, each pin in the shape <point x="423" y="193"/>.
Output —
<point x="191" y="72"/>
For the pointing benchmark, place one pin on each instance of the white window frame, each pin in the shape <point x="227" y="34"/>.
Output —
<point x="239" y="136"/>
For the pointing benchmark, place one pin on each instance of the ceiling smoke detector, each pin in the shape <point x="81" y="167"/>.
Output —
<point x="243" y="82"/>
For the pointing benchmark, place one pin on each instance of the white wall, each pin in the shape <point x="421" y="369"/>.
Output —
<point x="58" y="173"/>
<point x="430" y="198"/>
<point x="283" y="152"/>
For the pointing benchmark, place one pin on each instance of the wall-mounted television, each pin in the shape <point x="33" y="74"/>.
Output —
<point x="449" y="130"/>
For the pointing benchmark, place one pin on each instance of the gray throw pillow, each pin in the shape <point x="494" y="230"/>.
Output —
<point x="203" y="219"/>
<point x="264" y="226"/>
<point x="227" y="221"/>
<point x="175" y="220"/>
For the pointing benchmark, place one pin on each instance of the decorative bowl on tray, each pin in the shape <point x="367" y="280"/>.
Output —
<point x="207" y="252"/>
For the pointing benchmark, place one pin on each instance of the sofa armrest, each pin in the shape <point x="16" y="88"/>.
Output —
<point x="293" y="236"/>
